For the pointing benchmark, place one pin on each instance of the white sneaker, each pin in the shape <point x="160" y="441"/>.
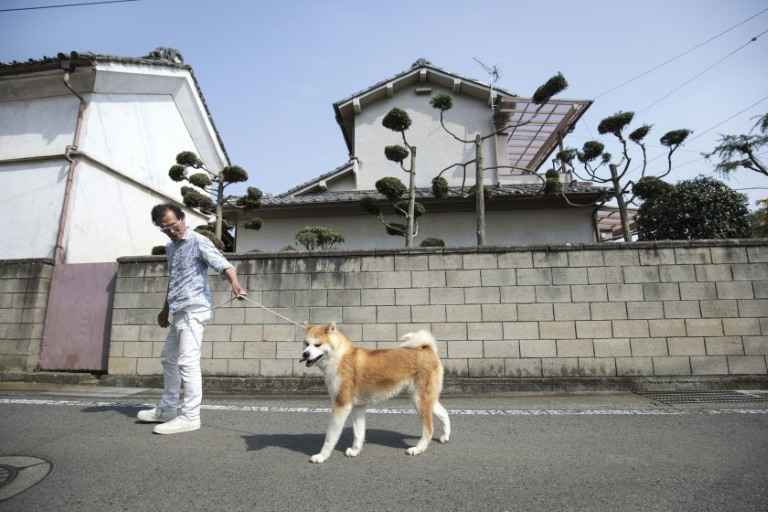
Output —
<point x="177" y="425"/>
<point x="156" y="415"/>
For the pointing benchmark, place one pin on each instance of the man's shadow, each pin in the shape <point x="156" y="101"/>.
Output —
<point x="309" y="444"/>
<point x="129" y="410"/>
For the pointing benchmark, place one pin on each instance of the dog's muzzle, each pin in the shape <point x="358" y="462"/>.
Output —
<point x="310" y="362"/>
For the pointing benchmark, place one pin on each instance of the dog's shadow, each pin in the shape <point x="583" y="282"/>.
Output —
<point x="309" y="444"/>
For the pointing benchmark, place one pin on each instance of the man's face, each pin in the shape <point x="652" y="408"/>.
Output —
<point x="172" y="226"/>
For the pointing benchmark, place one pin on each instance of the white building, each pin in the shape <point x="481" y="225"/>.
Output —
<point x="86" y="141"/>
<point x="518" y="211"/>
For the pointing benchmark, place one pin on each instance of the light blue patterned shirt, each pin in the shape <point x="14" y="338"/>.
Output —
<point x="188" y="262"/>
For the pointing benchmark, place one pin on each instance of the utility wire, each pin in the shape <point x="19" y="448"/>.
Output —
<point x="676" y="57"/>
<point x="728" y="119"/>
<point x="721" y="60"/>
<point x="78" y="4"/>
<point x="662" y="155"/>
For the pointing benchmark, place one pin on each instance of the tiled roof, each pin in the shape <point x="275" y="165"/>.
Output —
<point x="314" y="180"/>
<point x="351" y="196"/>
<point x="161" y="57"/>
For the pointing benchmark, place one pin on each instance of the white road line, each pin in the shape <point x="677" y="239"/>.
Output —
<point x="453" y="412"/>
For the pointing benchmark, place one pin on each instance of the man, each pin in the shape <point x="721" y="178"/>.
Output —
<point x="188" y="306"/>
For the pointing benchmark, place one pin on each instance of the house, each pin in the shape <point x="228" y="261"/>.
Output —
<point x="518" y="211"/>
<point x="86" y="141"/>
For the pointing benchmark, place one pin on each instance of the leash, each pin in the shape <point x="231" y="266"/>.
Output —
<point x="258" y="305"/>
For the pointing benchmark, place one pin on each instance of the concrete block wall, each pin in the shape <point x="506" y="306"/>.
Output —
<point x="608" y="310"/>
<point x="24" y="286"/>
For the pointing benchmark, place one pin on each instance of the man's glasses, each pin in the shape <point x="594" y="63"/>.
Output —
<point x="168" y="227"/>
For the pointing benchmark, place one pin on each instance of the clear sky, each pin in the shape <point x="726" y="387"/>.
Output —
<point x="271" y="70"/>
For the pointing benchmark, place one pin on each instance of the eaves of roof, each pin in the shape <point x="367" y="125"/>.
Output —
<point x="84" y="59"/>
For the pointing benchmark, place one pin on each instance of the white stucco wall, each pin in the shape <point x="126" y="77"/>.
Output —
<point x="347" y="182"/>
<point x="30" y="202"/>
<point x="435" y="148"/>
<point x="111" y="218"/>
<point x="36" y="127"/>
<point x="515" y="227"/>
<point x="138" y="119"/>
<point x="139" y="135"/>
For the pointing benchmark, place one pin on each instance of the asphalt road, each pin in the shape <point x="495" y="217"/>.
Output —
<point x="539" y="452"/>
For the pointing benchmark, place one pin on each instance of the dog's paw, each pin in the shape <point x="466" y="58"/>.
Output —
<point x="318" y="458"/>
<point x="444" y="438"/>
<point x="414" y="450"/>
<point x="352" y="452"/>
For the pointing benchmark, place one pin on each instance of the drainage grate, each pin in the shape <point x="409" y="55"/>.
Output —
<point x="696" y="397"/>
<point x="7" y="474"/>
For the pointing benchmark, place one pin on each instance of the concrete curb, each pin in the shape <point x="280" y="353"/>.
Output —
<point x="454" y="386"/>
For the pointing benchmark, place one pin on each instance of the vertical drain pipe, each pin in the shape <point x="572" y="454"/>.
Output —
<point x="59" y="253"/>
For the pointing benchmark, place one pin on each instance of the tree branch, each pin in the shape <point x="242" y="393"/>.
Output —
<point x="464" y="165"/>
<point x="669" y="161"/>
<point x="760" y="167"/>
<point x="449" y="132"/>
<point x="626" y="159"/>
<point x="405" y="141"/>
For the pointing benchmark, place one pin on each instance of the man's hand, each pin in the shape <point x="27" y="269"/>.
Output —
<point x="238" y="291"/>
<point x="162" y="319"/>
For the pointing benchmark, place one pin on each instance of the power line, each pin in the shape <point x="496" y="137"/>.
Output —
<point x="662" y="155"/>
<point x="727" y="56"/>
<point x="676" y="57"/>
<point x="78" y="4"/>
<point x="728" y="118"/>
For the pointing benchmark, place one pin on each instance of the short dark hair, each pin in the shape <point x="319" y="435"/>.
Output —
<point x="159" y="211"/>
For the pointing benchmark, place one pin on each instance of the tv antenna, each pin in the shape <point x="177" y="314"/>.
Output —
<point x="493" y="76"/>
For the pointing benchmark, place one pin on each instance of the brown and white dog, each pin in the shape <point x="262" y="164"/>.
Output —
<point x="358" y="376"/>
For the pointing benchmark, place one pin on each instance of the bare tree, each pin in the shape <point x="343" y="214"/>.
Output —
<point x="443" y="103"/>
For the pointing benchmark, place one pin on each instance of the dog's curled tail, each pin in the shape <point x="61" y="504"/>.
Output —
<point x="419" y="339"/>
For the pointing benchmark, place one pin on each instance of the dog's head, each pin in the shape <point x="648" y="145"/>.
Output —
<point x="322" y="342"/>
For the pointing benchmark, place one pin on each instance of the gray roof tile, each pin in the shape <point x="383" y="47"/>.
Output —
<point x="351" y="196"/>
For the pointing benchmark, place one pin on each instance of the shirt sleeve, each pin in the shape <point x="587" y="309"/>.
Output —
<point x="211" y="255"/>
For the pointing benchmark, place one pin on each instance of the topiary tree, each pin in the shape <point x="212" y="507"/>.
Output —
<point x="701" y="208"/>
<point x="443" y="103"/>
<point x="392" y="188"/>
<point x="318" y="238"/>
<point x="737" y="151"/>
<point x="593" y="158"/>
<point x="207" y="193"/>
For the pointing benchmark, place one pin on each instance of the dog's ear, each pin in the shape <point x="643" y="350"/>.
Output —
<point x="305" y="325"/>
<point x="331" y="327"/>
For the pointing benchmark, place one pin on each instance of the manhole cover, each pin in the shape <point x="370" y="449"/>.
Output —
<point x="19" y="473"/>
<point x="7" y="474"/>
<point x="696" y="397"/>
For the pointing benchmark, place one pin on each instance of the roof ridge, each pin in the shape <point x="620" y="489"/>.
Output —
<point x="419" y="63"/>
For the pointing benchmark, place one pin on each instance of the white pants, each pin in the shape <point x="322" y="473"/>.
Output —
<point x="181" y="363"/>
